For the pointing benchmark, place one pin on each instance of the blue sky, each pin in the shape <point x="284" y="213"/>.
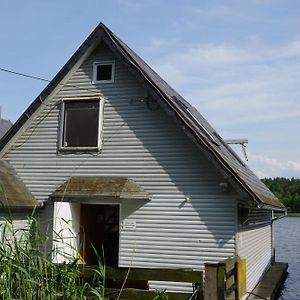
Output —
<point x="237" y="62"/>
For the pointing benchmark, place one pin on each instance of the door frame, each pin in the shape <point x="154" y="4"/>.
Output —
<point x="119" y="227"/>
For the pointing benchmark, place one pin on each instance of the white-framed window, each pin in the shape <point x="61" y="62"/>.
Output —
<point x="104" y="72"/>
<point x="81" y="123"/>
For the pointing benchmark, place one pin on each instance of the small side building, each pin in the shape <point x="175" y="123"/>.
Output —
<point x="118" y="158"/>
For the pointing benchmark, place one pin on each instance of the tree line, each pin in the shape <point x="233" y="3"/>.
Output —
<point x="287" y="190"/>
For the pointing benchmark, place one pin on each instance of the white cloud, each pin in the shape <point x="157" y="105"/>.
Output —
<point x="294" y="165"/>
<point x="245" y="90"/>
<point x="265" y="166"/>
<point x="253" y="83"/>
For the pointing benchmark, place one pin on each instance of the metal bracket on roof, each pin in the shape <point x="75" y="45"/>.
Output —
<point x="241" y="142"/>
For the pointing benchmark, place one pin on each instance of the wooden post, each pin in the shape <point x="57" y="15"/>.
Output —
<point x="210" y="291"/>
<point x="241" y="278"/>
<point x="214" y="282"/>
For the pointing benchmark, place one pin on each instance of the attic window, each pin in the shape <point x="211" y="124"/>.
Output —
<point x="104" y="72"/>
<point x="81" y="124"/>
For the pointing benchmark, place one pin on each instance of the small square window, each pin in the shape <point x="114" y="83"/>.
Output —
<point x="80" y="124"/>
<point x="104" y="72"/>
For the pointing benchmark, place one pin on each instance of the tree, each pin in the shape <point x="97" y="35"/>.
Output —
<point x="287" y="190"/>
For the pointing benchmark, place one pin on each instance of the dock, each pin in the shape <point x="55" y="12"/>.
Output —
<point x="269" y="286"/>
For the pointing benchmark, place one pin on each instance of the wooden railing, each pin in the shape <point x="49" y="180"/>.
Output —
<point x="225" y="280"/>
<point x="124" y="283"/>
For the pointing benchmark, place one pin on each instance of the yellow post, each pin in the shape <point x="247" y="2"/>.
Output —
<point x="241" y="277"/>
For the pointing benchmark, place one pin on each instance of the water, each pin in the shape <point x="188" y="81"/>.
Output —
<point x="287" y="244"/>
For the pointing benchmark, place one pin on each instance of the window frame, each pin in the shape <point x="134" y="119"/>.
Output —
<point x="102" y="63"/>
<point x="62" y="124"/>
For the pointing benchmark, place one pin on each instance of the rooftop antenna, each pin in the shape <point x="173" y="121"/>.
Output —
<point x="241" y="142"/>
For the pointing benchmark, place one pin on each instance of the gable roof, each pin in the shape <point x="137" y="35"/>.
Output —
<point x="192" y="122"/>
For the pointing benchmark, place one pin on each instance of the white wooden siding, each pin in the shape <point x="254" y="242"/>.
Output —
<point x="255" y="245"/>
<point x="189" y="219"/>
<point x="13" y="224"/>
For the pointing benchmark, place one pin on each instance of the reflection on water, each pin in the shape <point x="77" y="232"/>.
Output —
<point x="287" y="244"/>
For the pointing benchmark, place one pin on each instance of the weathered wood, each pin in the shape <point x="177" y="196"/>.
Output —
<point x="140" y="275"/>
<point x="229" y="264"/>
<point x="221" y="282"/>
<point x="175" y="275"/>
<point x="230" y="296"/>
<point x="225" y="280"/>
<point x="230" y="282"/>
<point x="211" y="275"/>
<point x="271" y="282"/>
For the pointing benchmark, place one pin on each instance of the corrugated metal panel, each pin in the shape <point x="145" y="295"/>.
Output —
<point x="255" y="245"/>
<point x="189" y="220"/>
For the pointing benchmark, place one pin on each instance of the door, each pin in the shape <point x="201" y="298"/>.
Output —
<point x="99" y="228"/>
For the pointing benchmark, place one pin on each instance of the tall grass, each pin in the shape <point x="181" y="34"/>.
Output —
<point x="27" y="272"/>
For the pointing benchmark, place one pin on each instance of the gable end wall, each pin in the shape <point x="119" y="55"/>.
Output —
<point x="189" y="219"/>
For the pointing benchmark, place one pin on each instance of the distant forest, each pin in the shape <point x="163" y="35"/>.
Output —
<point x="287" y="190"/>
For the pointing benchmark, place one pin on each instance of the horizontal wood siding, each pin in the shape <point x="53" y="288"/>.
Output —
<point x="14" y="223"/>
<point x="254" y="244"/>
<point x="189" y="219"/>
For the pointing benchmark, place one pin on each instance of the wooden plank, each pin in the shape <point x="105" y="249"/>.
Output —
<point x="221" y="282"/>
<point x="180" y="275"/>
<point x="135" y="294"/>
<point x="211" y="275"/>
<point x="230" y="296"/>
<point x="230" y="282"/>
<point x="271" y="282"/>
<point x="229" y="264"/>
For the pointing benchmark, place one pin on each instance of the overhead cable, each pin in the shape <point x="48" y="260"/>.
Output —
<point x="45" y="80"/>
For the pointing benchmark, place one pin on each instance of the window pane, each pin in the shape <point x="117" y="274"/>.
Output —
<point x="104" y="72"/>
<point x="81" y="124"/>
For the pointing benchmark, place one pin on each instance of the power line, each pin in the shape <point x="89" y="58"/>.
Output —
<point x="45" y="80"/>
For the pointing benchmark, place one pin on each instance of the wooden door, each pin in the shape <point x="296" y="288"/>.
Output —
<point x="99" y="227"/>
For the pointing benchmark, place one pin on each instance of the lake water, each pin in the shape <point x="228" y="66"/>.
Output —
<point x="287" y="244"/>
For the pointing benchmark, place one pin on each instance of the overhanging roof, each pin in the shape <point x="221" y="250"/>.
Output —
<point x="194" y="124"/>
<point x="13" y="192"/>
<point x="85" y="188"/>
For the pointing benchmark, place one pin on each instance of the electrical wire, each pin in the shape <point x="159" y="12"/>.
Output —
<point x="45" y="80"/>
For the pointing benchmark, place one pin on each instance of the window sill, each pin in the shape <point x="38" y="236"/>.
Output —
<point x="79" y="149"/>
<point x="102" y="81"/>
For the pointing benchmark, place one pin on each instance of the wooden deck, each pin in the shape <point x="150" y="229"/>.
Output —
<point x="271" y="283"/>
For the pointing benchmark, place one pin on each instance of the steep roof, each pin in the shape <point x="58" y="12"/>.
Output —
<point x="194" y="124"/>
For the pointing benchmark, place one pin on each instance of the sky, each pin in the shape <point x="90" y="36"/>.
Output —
<point x="237" y="62"/>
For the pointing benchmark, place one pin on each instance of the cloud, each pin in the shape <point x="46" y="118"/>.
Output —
<point x="244" y="89"/>
<point x="247" y="81"/>
<point x="294" y="165"/>
<point x="265" y="166"/>
<point x="215" y="11"/>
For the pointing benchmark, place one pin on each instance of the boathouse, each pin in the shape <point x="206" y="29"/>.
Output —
<point x="116" y="157"/>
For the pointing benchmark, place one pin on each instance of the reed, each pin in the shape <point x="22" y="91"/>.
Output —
<point x="27" y="271"/>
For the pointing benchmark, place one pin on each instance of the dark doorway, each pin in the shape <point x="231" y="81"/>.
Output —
<point x="100" y="227"/>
